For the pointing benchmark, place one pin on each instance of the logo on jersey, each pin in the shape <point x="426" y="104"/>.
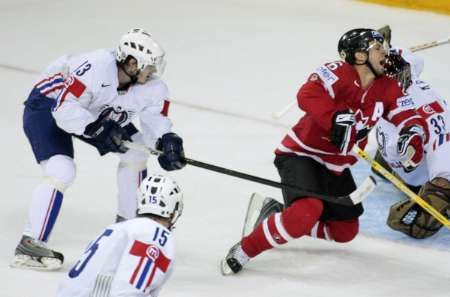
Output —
<point x="405" y="102"/>
<point x="152" y="252"/>
<point x="115" y="113"/>
<point x="151" y="260"/>
<point x="327" y="75"/>
<point x="428" y="109"/>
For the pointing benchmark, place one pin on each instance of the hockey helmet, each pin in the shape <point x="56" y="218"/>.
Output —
<point x="160" y="195"/>
<point x="357" y="40"/>
<point x="140" y="45"/>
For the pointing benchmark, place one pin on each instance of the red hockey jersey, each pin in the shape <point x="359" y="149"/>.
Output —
<point x="335" y="87"/>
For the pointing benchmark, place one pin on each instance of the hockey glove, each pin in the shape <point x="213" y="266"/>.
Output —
<point x="397" y="68"/>
<point x="341" y="129"/>
<point x="108" y="135"/>
<point x="172" y="156"/>
<point x="410" y="147"/>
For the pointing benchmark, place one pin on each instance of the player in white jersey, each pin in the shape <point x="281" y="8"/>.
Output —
<point x="133" y="258"/>
<point x="433" y="175"/>
<point x="94" y="97"/>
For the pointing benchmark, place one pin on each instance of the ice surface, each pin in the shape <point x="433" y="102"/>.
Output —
<point x="230" y="65"/>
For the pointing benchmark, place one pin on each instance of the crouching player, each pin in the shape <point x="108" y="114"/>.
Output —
<point x="135" y="257"/>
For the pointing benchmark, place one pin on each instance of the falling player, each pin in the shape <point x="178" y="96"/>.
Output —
<point x="342" y="101"/>
<point x="135" y="257"/>
<point x="94" y="97"/>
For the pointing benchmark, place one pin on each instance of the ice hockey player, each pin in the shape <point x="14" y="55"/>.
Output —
<point x="94" y="97"/>
<point x="431" y="176"/>
<point x="342" y="101"/>
<point x="135" y="257"/>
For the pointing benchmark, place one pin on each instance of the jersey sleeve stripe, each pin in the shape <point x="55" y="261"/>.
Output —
<point x="165" y="109"/>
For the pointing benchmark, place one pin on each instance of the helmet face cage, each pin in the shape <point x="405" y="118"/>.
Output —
<point x="357" y="40"/>
<point x="160" y="195"/>
<point x="140" y="45"/>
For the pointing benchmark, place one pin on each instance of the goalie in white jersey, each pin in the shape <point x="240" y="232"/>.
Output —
<point x="94" y="97"/>
<point x="433" y="175"/>
<point x="133" y="258"/>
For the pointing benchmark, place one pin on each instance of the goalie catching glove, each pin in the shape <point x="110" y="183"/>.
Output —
<point x="408" y="217"/>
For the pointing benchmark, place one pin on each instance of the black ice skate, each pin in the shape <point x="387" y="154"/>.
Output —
<point x="258" y="209"/>
<point x="234" y="260"/>
<point x="34" y="254"/>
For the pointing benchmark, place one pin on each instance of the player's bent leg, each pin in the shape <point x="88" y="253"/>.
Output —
<point x="279" y="228"/>
<point x="32" y="252"/>
<point x="131" y="171"/>
<point x="339" y="231"/>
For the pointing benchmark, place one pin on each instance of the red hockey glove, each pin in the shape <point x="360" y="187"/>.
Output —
<point x="410" y="147"/>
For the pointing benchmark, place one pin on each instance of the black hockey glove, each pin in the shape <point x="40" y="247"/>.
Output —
<point x="108" y="135"/>
<point x="397" y="68"/>
<point x="341" y="129"/>
<point x="172" y="157"/>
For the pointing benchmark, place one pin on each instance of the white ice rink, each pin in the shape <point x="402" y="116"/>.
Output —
<point x="231" y="63"/>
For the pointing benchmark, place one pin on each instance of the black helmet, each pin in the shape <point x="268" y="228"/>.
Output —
<point x="357" y="40"/>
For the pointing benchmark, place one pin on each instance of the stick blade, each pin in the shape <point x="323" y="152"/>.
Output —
<point x="361" y="193"/>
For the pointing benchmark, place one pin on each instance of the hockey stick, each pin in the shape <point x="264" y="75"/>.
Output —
<point x="278" y="114"/>
<point x="355" y="197"/>
<point x="423" y="46"/>
<point x="402" y="187"/>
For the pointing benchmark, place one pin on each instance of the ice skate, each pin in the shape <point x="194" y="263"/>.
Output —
<point x="234" y="260"/>
<point x="259" y="208"/>
<point x="34" y="254"/>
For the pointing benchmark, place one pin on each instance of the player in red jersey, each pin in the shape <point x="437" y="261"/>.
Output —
<point x="342" y="101"/>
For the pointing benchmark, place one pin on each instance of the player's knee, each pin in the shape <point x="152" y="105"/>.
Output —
<point x="299" y="218"/>
<point x="344" y="231"/>
<point x="60" y="172"/>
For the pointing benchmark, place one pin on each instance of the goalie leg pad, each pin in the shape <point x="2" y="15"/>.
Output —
<point x="408" y="217"/>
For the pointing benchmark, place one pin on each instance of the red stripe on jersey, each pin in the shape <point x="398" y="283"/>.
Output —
<point x="428" y="110"/>
<point x="73" y="86"/>
<point x="136" y="270"/>
<point x="274" y="231"/>
<point x="165" y="109"/>
<point x="138" y="249"/>
<point x="76" y="87"/>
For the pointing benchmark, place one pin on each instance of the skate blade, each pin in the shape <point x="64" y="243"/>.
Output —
<point x="27" y="262"/>
<point x="254" y="208"/>
<point x="224" y="268"/>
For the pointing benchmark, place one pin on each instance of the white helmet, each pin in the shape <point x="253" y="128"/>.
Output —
<point x="139" y="44"/>
<point x="161" y="196"/>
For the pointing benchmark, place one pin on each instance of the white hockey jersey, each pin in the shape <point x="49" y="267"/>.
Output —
<point x="129" y="259"/>
<point x="433" y="108"/>
<point x="85" y="86"/>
